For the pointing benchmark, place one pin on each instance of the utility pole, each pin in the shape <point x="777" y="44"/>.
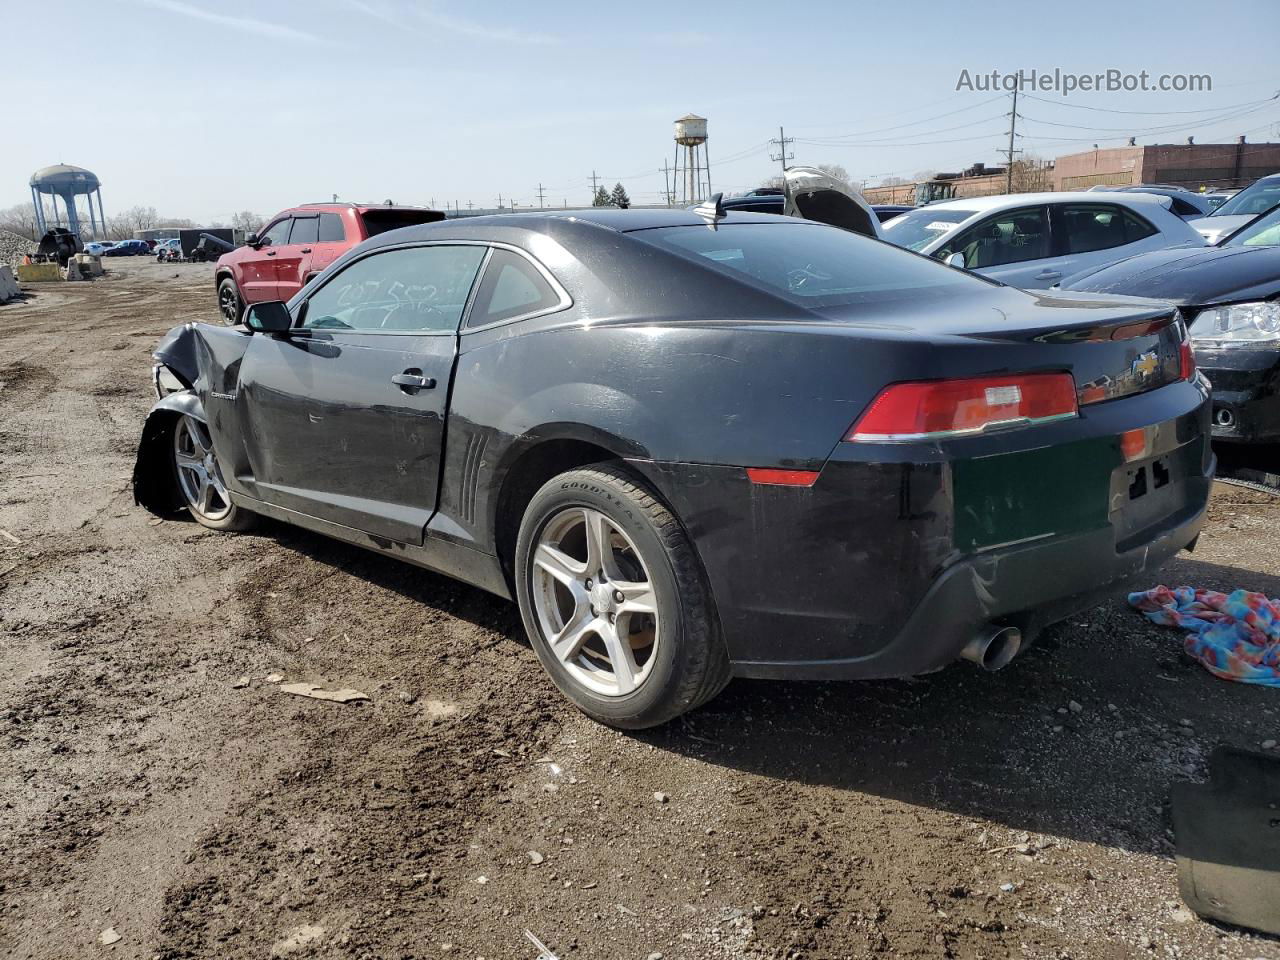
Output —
<point x="782" y="156"/>
<point x="666" y="184"/>
<point x="469" y="204"/>
<point x="594" y="188"/>
<point x="541" y="195"/>
<point x="1013" y="125"/>
<point x="499" y="203"/>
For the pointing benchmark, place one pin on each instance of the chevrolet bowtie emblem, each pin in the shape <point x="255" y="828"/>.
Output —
<point x="1145" y="365"/>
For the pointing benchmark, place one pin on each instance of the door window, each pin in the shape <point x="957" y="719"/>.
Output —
<point x="411" y="290"/>
<point x="276" y="234"/>
<point x="1010" y="237"/>
<point x="1086" y="227"/>
<point x="331" y="228"/>
<point x="305" y="230"/>
<point x="512" y="287"/>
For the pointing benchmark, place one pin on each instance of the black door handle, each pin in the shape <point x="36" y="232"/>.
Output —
<point x="271" y="253"/>
<point x="305" y="250"/>
<point x="412" y="380"/>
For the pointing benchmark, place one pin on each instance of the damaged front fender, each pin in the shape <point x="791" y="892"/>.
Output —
<point x="155" y="487"/>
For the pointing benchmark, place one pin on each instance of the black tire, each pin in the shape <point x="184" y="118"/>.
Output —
<point x="230" y="303"/>
<point x="690" y="664"/>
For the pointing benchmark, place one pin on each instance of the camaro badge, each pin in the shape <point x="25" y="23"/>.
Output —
<point x="1145" y="365"/>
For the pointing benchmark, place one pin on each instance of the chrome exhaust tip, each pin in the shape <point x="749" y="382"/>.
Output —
<point x="994" y="647"/>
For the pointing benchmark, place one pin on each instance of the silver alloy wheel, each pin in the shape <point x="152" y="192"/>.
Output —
<point x="595" y="603"/>
<point x="198" y="474"/>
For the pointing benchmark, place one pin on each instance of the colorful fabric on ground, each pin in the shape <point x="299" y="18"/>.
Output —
<point x="1234" y="635"/>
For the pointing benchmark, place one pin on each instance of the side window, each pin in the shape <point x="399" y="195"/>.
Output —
<point x="1136" y="228"/>
<point x="276" y="234"/>
<point x="1086" y="227"/>
<point x="411" y="290"/>
<point x="1184" y="209"/>
<point x="511" y="287"/>
<point x="1010" y="237"/>
<point x="331" y="228"/>
<point x="304" y="230"/>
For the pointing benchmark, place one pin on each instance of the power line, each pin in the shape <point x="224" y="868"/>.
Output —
<point x="841" y="142"/>
<point x="916" y="123"/>
<point x="1148" y="113"/>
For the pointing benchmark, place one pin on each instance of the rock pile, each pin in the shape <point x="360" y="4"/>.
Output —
<point x="13" y="248"/>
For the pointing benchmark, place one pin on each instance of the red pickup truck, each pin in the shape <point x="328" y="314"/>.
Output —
<point x="298" y="243"/>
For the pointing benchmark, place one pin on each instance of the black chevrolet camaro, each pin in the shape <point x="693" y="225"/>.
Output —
<point x="694" y="445"/>
<point x="1229" y="294"/>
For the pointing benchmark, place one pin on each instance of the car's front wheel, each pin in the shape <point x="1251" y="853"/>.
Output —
<point x="199" y="478"/>
<point x="229" y="303"/>
<point x="614" y="601"/>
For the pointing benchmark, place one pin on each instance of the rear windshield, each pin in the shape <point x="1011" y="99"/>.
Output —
<point x="380" y="221"/>
<point x="919" y="228"/>
<point x="813" y="264"/>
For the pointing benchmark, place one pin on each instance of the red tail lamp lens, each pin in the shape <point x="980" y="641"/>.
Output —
<point x="938" y="409"/>
<point x="1186" y="360"/>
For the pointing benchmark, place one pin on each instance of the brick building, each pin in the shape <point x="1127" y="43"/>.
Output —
<point x="1190" y="165"/>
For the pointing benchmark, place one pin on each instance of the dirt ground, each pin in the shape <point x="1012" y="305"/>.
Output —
<point x="142" y="790"/>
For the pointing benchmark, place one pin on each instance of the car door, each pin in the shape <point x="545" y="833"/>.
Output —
<point x="258" y="280"/>
<point x="331" y="243"/>
<point x="1088" y="235"/>
<point x="1011" y="246"/>
<point x="293" y="259"/>
<point x="343" y="418"/>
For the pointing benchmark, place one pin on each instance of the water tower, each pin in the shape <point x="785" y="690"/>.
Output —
<point x="693" y="176"/>
<point x="67" y="182"/>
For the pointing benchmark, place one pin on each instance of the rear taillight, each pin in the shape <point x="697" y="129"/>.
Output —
<point x="1186" y="360"/>
<point x="939" y="409"/>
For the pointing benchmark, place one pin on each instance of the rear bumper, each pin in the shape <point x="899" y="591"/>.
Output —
<point x="1029" y="587"/>
<point x="899" y="554"/>
<point x="1246" y="393"/>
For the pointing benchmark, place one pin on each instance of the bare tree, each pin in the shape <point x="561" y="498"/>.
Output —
<point x="1031" y="175"/>
<point x="127" y="223"/>
<point x="772" y="183"/>
<point x="246" y="220"/>
<point x="891" y="181"/>
<point x="19" y="219"/>
<point x="834" y="171"/>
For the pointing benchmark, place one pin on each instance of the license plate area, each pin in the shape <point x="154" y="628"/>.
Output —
<point x="1148" y="494"/>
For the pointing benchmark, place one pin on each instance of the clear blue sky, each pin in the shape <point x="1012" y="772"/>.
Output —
<point x="203" y="108"/>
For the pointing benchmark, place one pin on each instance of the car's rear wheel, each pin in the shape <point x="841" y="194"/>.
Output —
<point x="199" y="478"/>
<point x="614" y="601"/>
<point x="229" y="303"/>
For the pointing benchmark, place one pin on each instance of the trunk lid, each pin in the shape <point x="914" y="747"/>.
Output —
<point x="1112" y="346"/>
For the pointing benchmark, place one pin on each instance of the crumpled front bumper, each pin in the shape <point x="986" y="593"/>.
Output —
<point x="1246" y="392"/>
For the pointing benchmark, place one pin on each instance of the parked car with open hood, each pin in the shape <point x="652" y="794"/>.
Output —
<point x="296" y="244"/>
<point x="1232" y="214"/>
<point x="698" y="444"/>
<point x="1230" y="296"/>
<point x="1033" y="240"/>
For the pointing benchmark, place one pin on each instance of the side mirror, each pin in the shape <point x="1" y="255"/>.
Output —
<point x="271" y="316"/>
<point x="956" y="260"/>
<point x="251" y="240"/>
